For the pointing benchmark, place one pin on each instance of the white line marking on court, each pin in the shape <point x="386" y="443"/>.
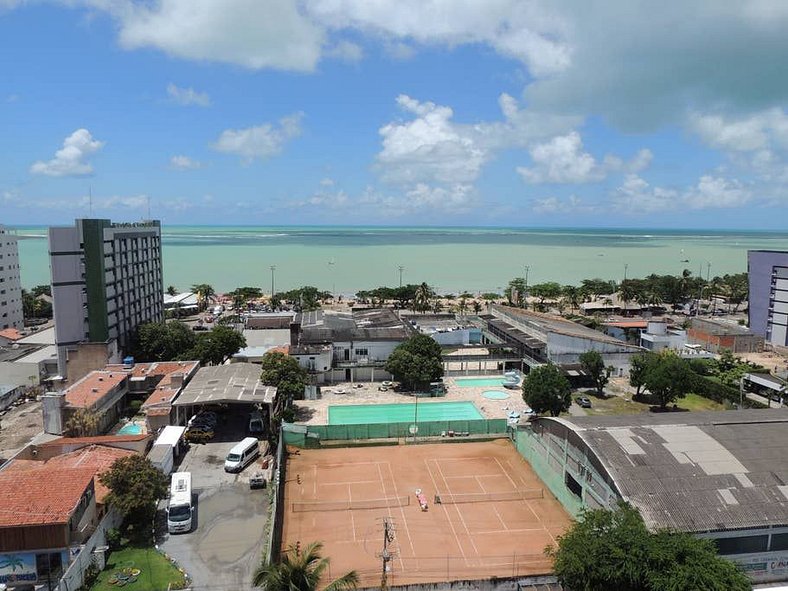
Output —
<point x="498" y="515"/>
<point x="509" y="531"/>
<point x="401" y="510"/>
<point x="530" y="507"/>
<point x="506" y="472"/>
<point x="459" y="511"/>
<point x="446" y="512"/>
<point x="348" y="482"/>
<point x="352" y="519"/>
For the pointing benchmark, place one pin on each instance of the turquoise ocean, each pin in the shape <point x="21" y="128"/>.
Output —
<point x="347" y="259"/>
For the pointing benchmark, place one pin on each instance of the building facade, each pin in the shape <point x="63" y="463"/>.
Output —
<point x="716" y="335"/>
<point x="11" y="314"/>
<point x="106" y="280"/>
<point x="768" y="309"/>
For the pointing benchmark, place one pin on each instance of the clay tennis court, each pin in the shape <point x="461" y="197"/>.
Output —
<point x="466" y="536"/>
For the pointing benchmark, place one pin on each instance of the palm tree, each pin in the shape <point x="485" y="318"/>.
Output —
<point x="204" y="293"/>
<point x="172" y="290"/>
<point x="463" y="306"/>
<point x="477" y="307"/>
<point x="83" y="423"/>
<point x="301" y="570"/>
<point x="421" y="300"/>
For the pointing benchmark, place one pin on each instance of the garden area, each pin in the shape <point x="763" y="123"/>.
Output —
<point x="139" y="569"/>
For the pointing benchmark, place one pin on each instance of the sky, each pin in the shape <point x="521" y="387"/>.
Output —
<point x="410" y="112"/>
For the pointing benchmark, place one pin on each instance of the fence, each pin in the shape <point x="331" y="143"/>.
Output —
<point x="91" y="552"/>
<point x="311" y="435"/>
<point x="277" y="510"/>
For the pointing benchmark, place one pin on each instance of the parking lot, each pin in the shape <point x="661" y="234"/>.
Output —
<point x="226" y="541"/>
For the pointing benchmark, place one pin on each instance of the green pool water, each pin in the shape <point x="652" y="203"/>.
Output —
<point x="478" y="382"/>
<point x="359" y="414"/>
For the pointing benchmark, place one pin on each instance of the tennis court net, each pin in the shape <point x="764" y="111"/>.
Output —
<point x="512" y="495"/>
<point x="303" y="506"/>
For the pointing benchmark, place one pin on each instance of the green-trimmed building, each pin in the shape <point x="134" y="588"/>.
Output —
<point x="106" y="280"/>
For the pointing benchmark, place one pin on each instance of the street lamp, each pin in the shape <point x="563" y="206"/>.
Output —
<point x="331" y="264"/>
<point x="626" y="266"/>
<point x="273" y="269"/>
<point x="401" y="269"/>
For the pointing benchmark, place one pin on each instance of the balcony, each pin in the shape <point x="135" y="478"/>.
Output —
<point x="342" y="363"/>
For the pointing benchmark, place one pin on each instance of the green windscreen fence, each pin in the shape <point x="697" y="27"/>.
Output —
<point x="305" y="436"/>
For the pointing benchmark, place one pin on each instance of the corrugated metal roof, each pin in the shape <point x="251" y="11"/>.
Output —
<point x="698" y="471"/>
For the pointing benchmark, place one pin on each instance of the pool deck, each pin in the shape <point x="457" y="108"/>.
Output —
<point x="315" y="412"/>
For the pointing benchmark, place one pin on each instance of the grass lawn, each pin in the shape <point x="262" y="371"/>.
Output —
<point x="614" y="405"/>
<point x="695" y="402"/>
<point x="156" y="571"/>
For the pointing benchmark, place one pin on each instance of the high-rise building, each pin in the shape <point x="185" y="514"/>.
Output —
<point x="106" y="281"/>
<point x="768" y="309"/>
<point x="11" y="315"/>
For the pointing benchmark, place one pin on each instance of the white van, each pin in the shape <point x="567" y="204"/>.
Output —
<point x="242" y="454"/>
<point x="179" y="510"/>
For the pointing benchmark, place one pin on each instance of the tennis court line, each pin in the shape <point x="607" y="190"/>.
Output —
<point x="459" y="511"/>
<point x="498" y="515"/>
<point x="527" y="502"/>
<point x="446" y="513"/>
<point x="401" y="510"/>
<point x="343" y="483"/>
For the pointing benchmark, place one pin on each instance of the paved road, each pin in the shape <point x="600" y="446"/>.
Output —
<point x="226" y="542"/>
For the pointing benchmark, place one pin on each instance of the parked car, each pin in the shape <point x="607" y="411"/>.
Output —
<point x="583" y="401"/>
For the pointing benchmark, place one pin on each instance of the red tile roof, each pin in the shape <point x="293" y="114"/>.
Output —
<point x="11" y="334"/>
<point x="93" y="387"/>
<point x="41" y="496"/>
<point x="98" y="458"/>
<point x="97" y="439"/>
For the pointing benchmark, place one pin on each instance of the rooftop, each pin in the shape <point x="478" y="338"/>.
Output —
<point x="93" y="387"/>
<point x="45" y="336"/>
<point x="17" y="351"/>
<point x="379" y="324"/>
<point x="94" y="440"/>
<point x="719" y="327"/>
<point x="11" y="334"/>
<point x="550" y="323"/>
<point x="236" y="382"/>
<point x="696" y="471"/>
<point x="166" y="389"/>
<point x="28" y="497"/>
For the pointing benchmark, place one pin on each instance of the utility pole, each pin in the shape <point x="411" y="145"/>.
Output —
<point x="386" y="556"/>
<point x="626" y="266"/>
<point x="273" y="268"/>
<point x="331" y="264"/>
<point x="401" y="269"/>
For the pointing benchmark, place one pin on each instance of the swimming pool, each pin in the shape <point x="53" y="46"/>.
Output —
<point x="130" y="429"/>
<point x="359" y="414"/>
<point x="479" y="382"/>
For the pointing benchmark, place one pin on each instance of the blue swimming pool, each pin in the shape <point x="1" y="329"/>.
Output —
<point x="358" y="414"/>
<point x="130" y="429"/>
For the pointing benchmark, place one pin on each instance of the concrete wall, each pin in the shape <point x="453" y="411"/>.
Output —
<point x="533" y="583"/>
<point x="376" y="350"/>
<point x="565" y="349"/>
<point x="87" y="357"/>
<point x="74" y="575"/>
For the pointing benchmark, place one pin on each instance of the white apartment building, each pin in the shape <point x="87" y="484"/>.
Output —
<point x="11" y="315"/>
<point x="106" y="281"/>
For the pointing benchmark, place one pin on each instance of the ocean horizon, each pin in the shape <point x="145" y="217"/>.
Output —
<point x="346" y="259"/>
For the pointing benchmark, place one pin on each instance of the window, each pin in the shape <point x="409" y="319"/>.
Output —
<point x="362" y="352"/>
<point x="742" y="545"/>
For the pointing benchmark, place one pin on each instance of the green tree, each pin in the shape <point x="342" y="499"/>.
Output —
<point x="668" y="378"/>
<point x="284" y="372"/>
<point x="83" y="423"/>
<point x="477" y="307"/>
<point x="135" y="486"/>
<point x="422" y="298"/>
<point x="546" y="389"/>
<point x="216" y="345"/>
<point x="614" y="550"/>
<point x="172" y="290"/>
<point x="640" y="365"/>
<point x="516" y="292"/>
<point x="416" y="362"/>
<point x="301" y="570"/>
<point x="594" y="365"/>
<point x="163" y="341"/>
<point x="204" y="293"/>
<point x="306" y="298"/>
<point x="546" y="291"/>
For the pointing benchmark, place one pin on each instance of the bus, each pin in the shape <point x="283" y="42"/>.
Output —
<point x="180" y="509"/>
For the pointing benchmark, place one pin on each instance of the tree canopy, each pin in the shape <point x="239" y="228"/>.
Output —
<point x="216" y="345"/>
<point x="416" y="362"/>
<point x="614" y="550"/>
<point x="594" y="365"/>
<point x="301" y="570"/>
<point x="168" y="341"/>
<point x="668" y="377"/>
<point x="135" y="486"/>
<point x="284" y="372"/>
<point x="546" y="390"/>
<point x="304" y="299"/>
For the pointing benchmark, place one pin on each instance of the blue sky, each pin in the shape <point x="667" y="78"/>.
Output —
<point x="489" y="112"/>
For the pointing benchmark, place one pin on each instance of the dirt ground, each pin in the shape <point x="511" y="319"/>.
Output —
<point x="449" y="541"/>
<point x="774" y="362"/>
<point x="18" y="427"/>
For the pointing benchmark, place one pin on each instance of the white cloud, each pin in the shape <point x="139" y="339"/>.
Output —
<point x="397" y="50"/>
<point x="187" y="96"/>
<point x="636" y="196"/>
<point x="71" y="159"/>
<point x="570" y="205"/>
<point x="271" y="34"/>
<point x="563" y="160"/>
<point x="261" y="142"/>
<point x="525" y="30"/>
<point x="431" y="147"/>
<point x="327" y="182"/>
<point x="346" y="51"/>
<point x="181" y="162"/>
